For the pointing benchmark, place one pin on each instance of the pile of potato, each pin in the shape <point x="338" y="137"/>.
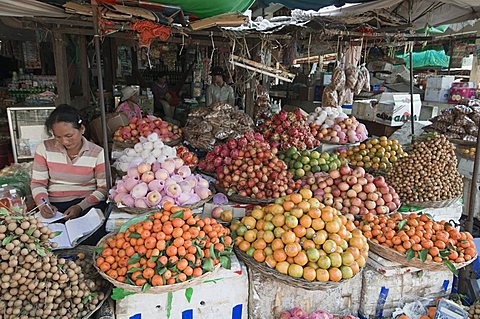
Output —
<point x="34" y="282"/>
<point x="429" y="173"/>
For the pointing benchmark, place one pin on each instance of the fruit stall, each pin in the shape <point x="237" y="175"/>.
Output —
<point x="259" y="223"/>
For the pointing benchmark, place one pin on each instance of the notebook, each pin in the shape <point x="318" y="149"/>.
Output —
<point x="74" y="231"/>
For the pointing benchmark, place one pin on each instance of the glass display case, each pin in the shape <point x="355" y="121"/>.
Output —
<point x="27" y="129"/>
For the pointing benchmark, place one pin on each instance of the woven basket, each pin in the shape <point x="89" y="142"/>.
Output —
<point x="124" y="145"/>
<point x="457" y="141"/>
<point x="89" y="253"/>
<point x="244" y="199"/>
<point x="434" y="204"/>
<point x="154" y="290"/>
<point x="140" y="211"/>
<point x="205" y="173"/>
<point x="291" y="281"/>
<point x="400" y="258"/>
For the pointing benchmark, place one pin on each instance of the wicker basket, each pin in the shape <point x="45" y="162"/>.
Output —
<point x="457" y="141"/>
<point x="295" y="282"/>
<point x="400" y="258"/>
<point x="205" y="173"/>
<point x="124" y="145"/>
<point x="244" y="199"/>
<point x="434" y="204"/>
<point x="89" y="253"/>
<point x="154" y="290"/>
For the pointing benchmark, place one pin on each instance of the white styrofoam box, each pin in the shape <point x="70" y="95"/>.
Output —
<point x="382" y="294"/>
<point x="437" y="95"/>
<point x="452" y="212"/>
<point x="364" y="110"/>
<point x="269" y="297"/>
<point x="225" y="296"/>
<point x="386" y="267"/>
<point x="465" y="167"/>
<point x="393" y="109"/>
<point x="440" y="81"/>
<point x="466" y="199"/>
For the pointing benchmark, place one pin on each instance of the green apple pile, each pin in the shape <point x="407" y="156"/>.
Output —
<point x="306" y="163"/>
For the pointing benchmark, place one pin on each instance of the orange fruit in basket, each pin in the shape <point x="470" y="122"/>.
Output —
<point x="279" y="255"/>
<point x="296" y="198"/>
<point x="335" y="274"/>
<point x="322" y="275"/>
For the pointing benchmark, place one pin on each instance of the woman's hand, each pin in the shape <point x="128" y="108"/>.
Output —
<point x="48" y="211"/>
<point x="73" y="212"/>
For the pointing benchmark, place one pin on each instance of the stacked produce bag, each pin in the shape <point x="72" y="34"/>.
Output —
<point x="207" y="127"/>
<point x="346" y="81"/>
<point x="460" y="122"/>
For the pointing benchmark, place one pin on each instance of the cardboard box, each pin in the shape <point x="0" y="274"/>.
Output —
<point x="114" y="121"/>
<point x="364" y="110"/>
<point x="440" y="82"/>
<point x="393" y="109"/>
<point x="223" y="296"/>
<point x="437" y="95"/>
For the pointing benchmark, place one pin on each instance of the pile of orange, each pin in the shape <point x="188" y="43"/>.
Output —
<point x="301" y="237"/>
<point x="170" y="246"/>
<point x="419" y="234"/>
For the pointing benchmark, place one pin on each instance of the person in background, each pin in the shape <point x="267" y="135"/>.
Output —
<point x="68" y="171"/>
<point x="219" y="91"/>
<point x="128" y="104"/>
<point x="161" y="96"/>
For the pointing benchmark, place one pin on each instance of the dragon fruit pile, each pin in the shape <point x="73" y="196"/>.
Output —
<point x="299" y="313"/>
<point x="287" y="129"/>
<point x="149" y="185"/>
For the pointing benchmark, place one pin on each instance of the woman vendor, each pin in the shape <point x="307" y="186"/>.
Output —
<point x="219" y="90"/>
<point x="68" y="170"/>
<point x="129" y="105"/>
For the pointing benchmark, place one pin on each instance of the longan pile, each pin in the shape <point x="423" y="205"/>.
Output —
<point x="34" y="282"/>
<point x="429" y="173"/>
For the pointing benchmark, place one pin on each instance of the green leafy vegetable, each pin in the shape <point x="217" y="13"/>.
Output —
<point x="410" y="254"/>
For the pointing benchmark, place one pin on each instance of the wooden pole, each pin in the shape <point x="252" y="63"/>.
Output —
<point x="84" y="70"/>
<point x="61" y="68"/>
<point x="96" y="38"/>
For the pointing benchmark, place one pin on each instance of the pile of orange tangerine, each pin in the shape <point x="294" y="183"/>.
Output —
<point x="170" y="246"/>
<point x="435" y="241"/>
<point x="301" y="237"/>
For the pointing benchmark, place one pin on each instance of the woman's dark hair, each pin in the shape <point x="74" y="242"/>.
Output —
<point x="64" y="113"/>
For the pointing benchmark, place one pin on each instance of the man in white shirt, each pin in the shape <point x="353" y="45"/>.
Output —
<point x="219" y="91"/>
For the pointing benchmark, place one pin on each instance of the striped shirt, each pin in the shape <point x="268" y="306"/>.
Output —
<point x="57" y="178"/>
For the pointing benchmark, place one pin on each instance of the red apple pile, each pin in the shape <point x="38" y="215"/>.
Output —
<point x="287" y="129"/>
<point x="250" y="167"/>
<point x="223" y="154"/>
<point x="353" y="191"/>
<point x="132" y="132"/>
<point x="188" y="157"/>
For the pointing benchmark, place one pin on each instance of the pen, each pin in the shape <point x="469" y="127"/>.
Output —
<point x="44" y="201"/>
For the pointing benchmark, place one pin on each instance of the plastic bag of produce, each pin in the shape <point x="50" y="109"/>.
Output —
<point x="360" y="82"/>
<point x="341" y="97"/>
<point x="475" y="117"/>
<point x="348" y="97"/>
<point x="338" y="78"/>
<point x="366" y="75"/>
<point x="351" y="76"/>
<point x="456" y="129"/>
<point x="462" y="109"/>
<point x="330" y="97"/>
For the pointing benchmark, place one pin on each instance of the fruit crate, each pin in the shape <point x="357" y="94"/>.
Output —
<point x="223" y="296"/>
